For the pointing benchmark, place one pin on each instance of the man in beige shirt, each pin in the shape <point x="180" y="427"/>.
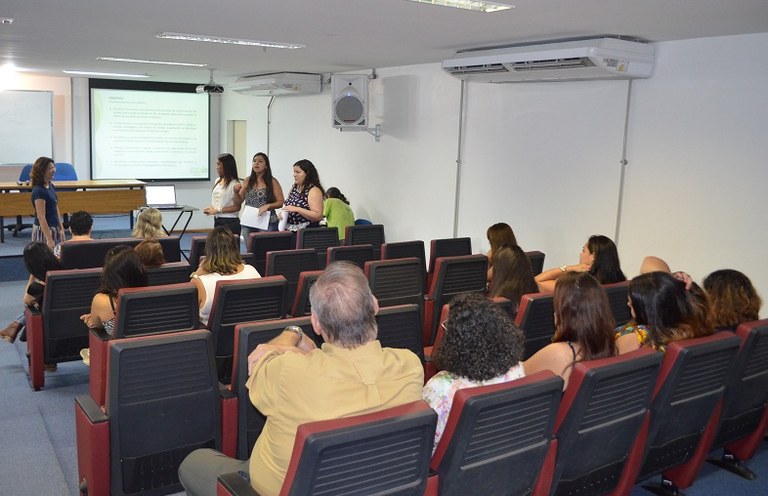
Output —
<point x="292" y="382"/>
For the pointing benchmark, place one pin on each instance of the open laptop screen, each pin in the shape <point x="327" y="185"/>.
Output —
<point x="160" y="195"/>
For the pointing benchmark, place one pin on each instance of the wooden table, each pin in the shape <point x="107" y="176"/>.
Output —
<point x="94" y="197"/>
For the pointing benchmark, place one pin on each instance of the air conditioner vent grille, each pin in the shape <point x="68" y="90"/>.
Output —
<point x="538" y="65"/>
<point x="479" y="69"/>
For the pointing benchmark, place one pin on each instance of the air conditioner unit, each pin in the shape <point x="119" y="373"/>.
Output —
<point x="280" y="83"/>
<point x="576" y="60"/>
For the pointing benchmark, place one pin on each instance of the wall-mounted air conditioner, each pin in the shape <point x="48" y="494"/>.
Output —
<point x="596" y="58"/>
<point x="280" y="83"/>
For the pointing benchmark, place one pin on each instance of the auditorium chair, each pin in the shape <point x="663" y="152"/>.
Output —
<point x="496" y="437"/>
<point x="169" y="273"/>
<point x="243" y="418"/>
<point x="139" y="312"/>
<point x="259" y="243"/>
<point x="684" y="406"/>
<point x="406" y="249"/>
<point x="400" y="327"/>
<point x="453" y="275"/>
<point x="396" y="282"/>
<point x="290" y="264"/>
<point x="239" y="301"/>
<point x="92" y="253"/>
<point x="357" y="254"/>
<point x="55" y="333"/>
<point x="603" y="409"/>
<point x="319" y="238"/>
<point x="535" y="318"/>
<point x="381" y="453"/>
<point x="744" y="416"/>
<point x="301" y="304"/>
<point x="537" y="261"/>
<point x="372" y="234"/>
<point x="163" y="402"/>
<point x="446" y="247"/>
<point x="617" y="299"/>
<point x="196" y="251"/>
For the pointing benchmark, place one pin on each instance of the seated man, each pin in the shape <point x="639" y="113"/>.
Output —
<point x="351" y="375"/>
<point x="80" y="227"/>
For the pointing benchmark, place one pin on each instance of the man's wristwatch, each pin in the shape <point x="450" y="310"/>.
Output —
<point x="298" y="331"/>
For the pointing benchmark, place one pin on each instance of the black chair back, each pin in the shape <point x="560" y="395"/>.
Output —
<point x="617" y="299"/>
<point x="319" y="238"/>
<point x="535" y="318"/>
<point x="156" y="310"/>
<point x="537" y="261"/>
<point x="169" y="273"/>
<point x="290" y="264"/>
<point x="372" y="234"/>
<point x="259" y="243"/>
<point x="396" y="282"/>
<point x="357" y="254"/>
<point x="400" y="327"/>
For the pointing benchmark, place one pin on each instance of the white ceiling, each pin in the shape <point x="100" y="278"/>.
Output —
<point x="341" y="35"/>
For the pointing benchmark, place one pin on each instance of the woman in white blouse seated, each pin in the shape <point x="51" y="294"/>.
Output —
<point x="225" y="203"/>
<point x="480" y="346"/>
<point x="222" y="262"/>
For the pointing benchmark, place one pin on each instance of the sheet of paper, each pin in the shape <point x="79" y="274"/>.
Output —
<point x="251" y="218"/>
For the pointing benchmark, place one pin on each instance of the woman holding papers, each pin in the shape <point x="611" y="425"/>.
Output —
<point x="262" y="194"/>
<point x="305" y="201"/>
<point x="225" y="203"/>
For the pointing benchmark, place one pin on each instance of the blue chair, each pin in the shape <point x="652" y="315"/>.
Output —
<point x="363" y="222"/>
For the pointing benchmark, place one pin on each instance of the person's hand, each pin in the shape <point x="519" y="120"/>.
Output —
<point x="50" y="243"/>
<point x="684" y="277"/>
<point x="290" y="208"/>
<point x="88" y="320"/>
<point x="210" y="210"/>
<point x="263" y="209"/>
<point x="306" y="345"/>
<point x="263" y="349"/>
<point x="237" y="187"/>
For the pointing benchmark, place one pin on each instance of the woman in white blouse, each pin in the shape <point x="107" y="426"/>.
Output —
<point x="225" y="203"/>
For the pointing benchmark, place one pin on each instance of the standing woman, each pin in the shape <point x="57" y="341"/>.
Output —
<point x="261" y="191"/>
<point x="305" y="200"/>
<point x="48" y="227"/>
<point x="225" y="203"/>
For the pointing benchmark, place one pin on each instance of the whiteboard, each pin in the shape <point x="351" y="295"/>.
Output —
<point x="26" y="126"/>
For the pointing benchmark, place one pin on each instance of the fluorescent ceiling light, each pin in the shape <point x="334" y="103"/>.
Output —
<point x="6" y="20"/>
<point x="157" y="62"/>
<point x="468" y="5"/>
<point x="228" y="41"/>
<point x="108" y="74"/>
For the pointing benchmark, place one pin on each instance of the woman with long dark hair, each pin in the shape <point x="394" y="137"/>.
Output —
<point x="261" y="190"/>
<point x="512" y="276"/>
<point x="48" y="227"/>
<point x="38" y="259"/>
<point x="663" y="311"/>
<point x="225" y="203"/>
<point x="305" y="200"/>
<point x="583" y="327"/>
<point x="499" y="235"/>
<point x="599" y="257"/>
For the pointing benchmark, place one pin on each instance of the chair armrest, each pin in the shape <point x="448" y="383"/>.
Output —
<point x="89" y="407"/>
<point x="225" y="393"/>
<point x="234" y="484"/>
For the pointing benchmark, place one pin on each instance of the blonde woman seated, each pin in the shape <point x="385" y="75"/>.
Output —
<point x="583" y="327"/>
<point x="481" y="346"/>
<point x="222" y="262"/>
<point x="513" y="275"/>
<point x="149" y="224"/>
<point x="499" y="235"/>
<point x="599" y="257"/>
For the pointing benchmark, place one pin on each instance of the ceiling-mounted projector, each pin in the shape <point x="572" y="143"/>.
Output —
<point x="210" y="87"/>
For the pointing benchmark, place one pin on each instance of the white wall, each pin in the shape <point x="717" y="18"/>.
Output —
<point x="544" y="157"/>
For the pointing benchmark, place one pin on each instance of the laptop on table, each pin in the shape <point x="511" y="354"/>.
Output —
<point x="161" y="196"/>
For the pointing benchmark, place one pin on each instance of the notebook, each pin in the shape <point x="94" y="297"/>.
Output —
<point x="161" y="196"/>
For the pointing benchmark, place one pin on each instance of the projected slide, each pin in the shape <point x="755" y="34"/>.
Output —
<point x="148" y="135"/>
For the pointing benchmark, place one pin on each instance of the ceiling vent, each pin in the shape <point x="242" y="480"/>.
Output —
<point x="279" y="83"/>
<point x="577" y="60"/>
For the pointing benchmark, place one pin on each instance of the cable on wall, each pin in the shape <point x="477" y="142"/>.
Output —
<point x="623" y="163"/>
